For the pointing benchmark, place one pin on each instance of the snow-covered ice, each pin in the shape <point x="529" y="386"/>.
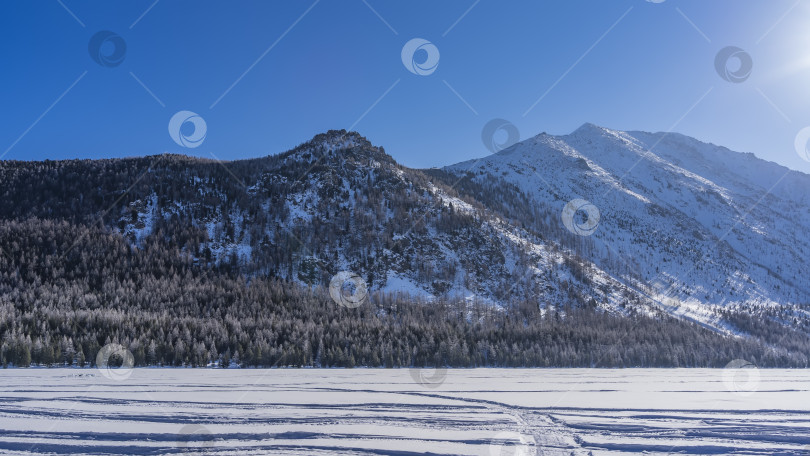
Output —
<point x="377" y="412"/>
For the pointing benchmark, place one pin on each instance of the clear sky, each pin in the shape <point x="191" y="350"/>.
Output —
<point x="267" y="75"/>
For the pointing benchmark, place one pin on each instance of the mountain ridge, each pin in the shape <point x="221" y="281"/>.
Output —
<point x="490" y="231"/>
<point x="608" y="154"/>
<point x="482" y="256"/>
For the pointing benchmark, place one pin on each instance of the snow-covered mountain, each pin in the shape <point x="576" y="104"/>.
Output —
<point x="692" y="227"/>
<point x="628" y="222"/>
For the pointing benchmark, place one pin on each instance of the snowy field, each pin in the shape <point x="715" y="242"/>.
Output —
<point x="404" y="412"/>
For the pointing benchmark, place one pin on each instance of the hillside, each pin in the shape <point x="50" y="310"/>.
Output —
<point x="472" y="264"/>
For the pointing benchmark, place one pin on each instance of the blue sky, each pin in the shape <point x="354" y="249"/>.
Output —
<point x="268" y="75"/>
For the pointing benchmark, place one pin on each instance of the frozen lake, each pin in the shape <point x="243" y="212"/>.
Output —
<point x="405" y="412"/>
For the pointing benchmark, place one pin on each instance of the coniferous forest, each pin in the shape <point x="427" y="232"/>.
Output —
<point x="68" y="291"/>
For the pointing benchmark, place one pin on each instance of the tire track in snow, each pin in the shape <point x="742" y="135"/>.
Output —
<point x="546" y="436"/>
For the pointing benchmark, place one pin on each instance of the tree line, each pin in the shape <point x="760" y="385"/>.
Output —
<point x="68" y="290"/>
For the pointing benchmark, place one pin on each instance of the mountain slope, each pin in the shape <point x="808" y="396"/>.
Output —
<point x="334" y="203"/>
<point x="695" y="227"/>
<point x="483" y="232"/>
